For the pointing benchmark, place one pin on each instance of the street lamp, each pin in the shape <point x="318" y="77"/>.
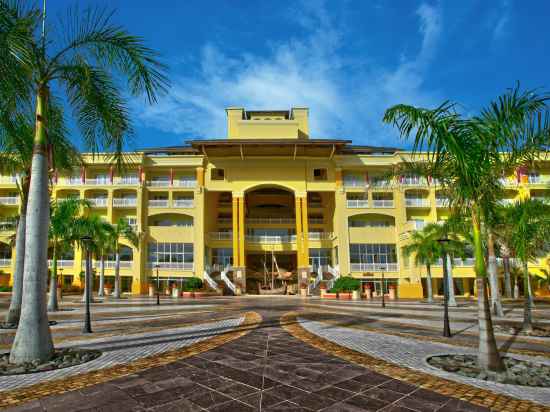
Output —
<point x="446" y="327"/>
<point x="158" y="283"/>
<point x="382" y="269"/>
<point x="86" y="240"/>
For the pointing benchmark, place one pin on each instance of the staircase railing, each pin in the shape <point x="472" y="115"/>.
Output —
<point x="211" y="282"/>
<point x="335" y="272"/>
<point x="227" y="281"/>
<point x="317" y="280"/>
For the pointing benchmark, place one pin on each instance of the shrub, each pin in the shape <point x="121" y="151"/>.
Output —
<point x="192" y="284"/>
<point x="5" y="288"/>
<point x="346" y="284"/>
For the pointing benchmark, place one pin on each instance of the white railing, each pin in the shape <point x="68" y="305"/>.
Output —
<point x="72" y="181"/>
<point x="417" y="224"/>
<point x="126" y="180"/>
<point x="335" y="272"/>
<point x="98" y="181"/>
<point x="357" y="203"/>
<point x="5" y="262"/>
<point x="380" y="183"/>
<point x="270" y="220"/>
<point x="158" y="202"/>
<point x="110" y="264"/>
<point x="458" y="262"/>
<point x="317" y="280"/>
<point x="442" y="202"/>
<point x="211" y="282"/>
<point x="185" y="183"/>
<point x="124" y="201"/>
<point x="172" y="265"/>
<point x="227" y="281"/>
<point x="541" y="199"/>
<point x="158" y="183"/>
<point x="183" y="203"/>
<point x="62" y="263"/>
<point x="506" y="202"/>
<point x="382" y="203"/>
<point x="98" y="201"/>
<point x="220" y="235"/>
<point x="270" y="239"/>
<point x="9" y="200"/>
<point x="417" y="202"/>
<point x="7" y="225"/>
<point x="413" y="181"/>
<point x="320" y="235"/>
<point x="507" y="182"/>
<point x="358" y="182"/>
<point x="375" y="267"/>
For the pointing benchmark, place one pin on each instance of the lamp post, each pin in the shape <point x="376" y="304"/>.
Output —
<point x="86" y="240"/>
<point x="446" y="327"/>
<point x="60" y="283"/>
<point x="158" y="283"/>
<point x="382" y="269"/>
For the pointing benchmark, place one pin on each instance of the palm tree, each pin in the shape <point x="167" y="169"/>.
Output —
<point x="529" y="222"/>
<point x="64" y="215"/>
<point x="426" y="251"/>
<point x="465" y="155"/>
<point x="122" y="229"/>
<point x="16" y="145"/>
<point x="103" y="240"/>
<point x="84" y="66"/>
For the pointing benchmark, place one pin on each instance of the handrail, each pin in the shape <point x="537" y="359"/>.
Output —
<point x="211" y="282"/>
<point x="227" y="281"/>
<point x="317" y="281"/>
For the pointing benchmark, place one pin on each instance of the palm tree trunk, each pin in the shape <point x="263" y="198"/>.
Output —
<point x="527" y="313"/>
<point x="496" y="304"/>
<point x="14" y="311"/>
<point x="429" y="283"/>
<point x="33" y="340"/>
<point x="507" y="277"/>
<point x="116" y="292"/>
<point x="52" y="303"/>
<point x="450" y="282"/>
<point x="488" y="356"/>
<point x="101" y="291"/>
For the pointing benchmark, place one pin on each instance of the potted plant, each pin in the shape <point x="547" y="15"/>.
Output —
<point x="323" y="289"/>
<point x="345" y="286"/>
<point x="190" y="286"/>
<point x="175" y="291"/>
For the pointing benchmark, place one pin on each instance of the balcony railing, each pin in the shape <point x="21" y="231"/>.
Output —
<point x="7" y="225"/>
<point x="98" y="181"/>
<point x="183" y="203"/>
<point x="458" y="262"/>
<point x="185" y="183"/>
<point x="172" y="265"/>
<point x="538" y="179"/>
<point x="413" y="181"/>
<point x="158" y="202"/>
<point x="382" y="203"/>
<point x="541" y="199"/>
<point x="72" y="181"/>
<point x="271" y="220"/>
<point x="158" y="183"/>
<point x="357" y="203"/>
<point x="315" y="221"/>
<point x="351" y="183"/>
<point x="504" y="181"/>
<point x="442" y="202"/>
<point x="417" y="202"/>
<point x="98" y="201"/>
<point x="315" y="205"/>
<point x="9" y="200"/>
<point x="124" y="202"/>
<point x="320" y="235"/>
<point x="4" y="262"/>
<point x="110" y="264"/>
<point x="126" y="180"/>
<point x="380" y="183"/>
<point x="270" y="239"/>
<point x="62" y="263"/>
<point x="375" y="267"/>
<point x="8" y="179"/>
<point x="225" y="220"/>
<point x="506" y="202"/>
<point x="220" y="235"/>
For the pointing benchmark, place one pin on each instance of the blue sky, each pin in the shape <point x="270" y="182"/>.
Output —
<point x="346" y="60"/>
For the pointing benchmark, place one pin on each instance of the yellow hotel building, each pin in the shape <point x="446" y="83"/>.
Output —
<point x="268" y="192"/>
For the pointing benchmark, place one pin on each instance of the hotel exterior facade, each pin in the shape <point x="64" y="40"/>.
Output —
<point x="228" y="208"/>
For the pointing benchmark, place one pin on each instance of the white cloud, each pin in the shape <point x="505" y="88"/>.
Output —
<point x="346" y="96"/>
<point x="500" y="20"/>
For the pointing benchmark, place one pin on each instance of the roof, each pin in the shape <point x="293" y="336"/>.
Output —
<point x="263" y="142"/>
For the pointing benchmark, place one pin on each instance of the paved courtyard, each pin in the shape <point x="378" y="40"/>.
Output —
<point x="268" y="353"/>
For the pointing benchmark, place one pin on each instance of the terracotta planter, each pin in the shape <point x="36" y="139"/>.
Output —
<point x="167" y="292"/>
<point x="330" y="296"/>
<point x="344" y="296"/>
<point x="368" y="294"/>
<point x="188" y="294"/>
<point x="356" y="295"/>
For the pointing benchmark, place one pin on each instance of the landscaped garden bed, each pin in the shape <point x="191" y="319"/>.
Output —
<point x="63" y="358"/>
<point x="538" y="332"/>
<point x="518" y="372"/>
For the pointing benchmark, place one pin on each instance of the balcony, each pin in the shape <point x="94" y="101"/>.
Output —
<point x="126" y="180"/>
<point x="413" y="181"/>
<point x="416" y="224"/>
<point x="9" y="200"/>
<point x="124" y="202"/>
<point x="220" y="235"/>
<point x="110" y="264"/>
<point x="417" y="202"/>
<point x="542" y="199"/>
<point x="4" y="262"/>
<point x="442" y="202"/>
<point x="271" y="220"/>
<point x="382" y="203"/>
<point x="172" y="265"/>
<point x="316" y="221"/>
<point x="458" y="262"/>
<point x="159" y="183"/>
<point x="158" y="202"/>
<point x="320" y="236"/>
<point x="355" y="183"/>
<point x="71" y="181"/>
<point x="183" y="203"/>
<point x="225" y="221"/>
<point x="507" y="182"/>
<point x="62" y="263"/>
<point x="375" y="267"/>
<point x="184" y="183"/>
<point x="98" y="201"/>
<point x="270" y="239"/>
<point x="538" y="179"/>
<point x="98" y="181"/>
<point x="357" y="203"/>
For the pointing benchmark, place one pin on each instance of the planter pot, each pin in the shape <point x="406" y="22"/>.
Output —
<point x="393" y="293"/>
<point x="188" y="294"/>
<point x="323" y="292"/>
<point x="151" y="291"/>
<point x="356" y="295"/>
<point x="330" y="296"/>
<point x="368" y="293"/>
<point x="303" y="293"/>
<point x="107" y="291"/>
<point x="344" y="296"/>
<point x="176" y="292"/>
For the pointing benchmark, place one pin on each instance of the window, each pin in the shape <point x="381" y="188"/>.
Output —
<point x="372" y="253"/>
<point x="319" y="174"/>
<point x="319" y="257"/>
<point x="217" y="174"/>
<point x="222" y="257"/>
<point x="173" y="255"/>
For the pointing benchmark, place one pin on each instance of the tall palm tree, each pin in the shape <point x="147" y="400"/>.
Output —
<point x="64" y="215"/>
<point x="466" y="154"/>
<point x="84" y="64"/>
<point x="122" y="229"/>
<point x="103" y="240"/>
<point x="529" y="221"/>
<point x="16" y="146"/>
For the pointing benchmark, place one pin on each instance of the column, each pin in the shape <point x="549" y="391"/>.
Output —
<point x="302" y="239"/>
<point x="198" y="232"/>
<point x="239" y="265"/>
<point x="235" y="217"/>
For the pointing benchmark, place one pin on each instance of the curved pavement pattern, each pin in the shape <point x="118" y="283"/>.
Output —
<point x="265" y="370"/>
<point x="412" y="354"/>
